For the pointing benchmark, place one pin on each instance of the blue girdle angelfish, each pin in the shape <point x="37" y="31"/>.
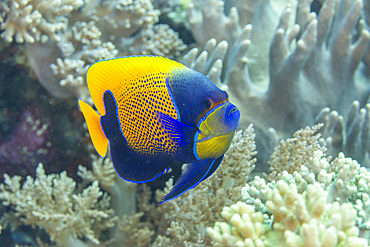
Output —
<point x="156" y="113"/>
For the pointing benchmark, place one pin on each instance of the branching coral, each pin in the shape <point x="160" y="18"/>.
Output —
<point x="299" y="219"/>
<point x="305" y="158"/>
<point x="50" y="202"/>
<point x="161" y="40"/>
<point x="123" y="194"/>
<point x="125" y="17"/>
<point x="54" y="197"/>
<point x="137" y="233"/>
<point x="280" y="63"/>
<point x="183" y="221"/>
<point x="313" y="203"/>
<point x="327" y="201"/>
<point x="294" y="152"/>
<point x="35" y="20"/>
<point x="98" y="30"/>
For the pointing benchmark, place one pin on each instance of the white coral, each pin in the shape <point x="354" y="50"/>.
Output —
<point x="99" y="30"/>
<point x="20" y="21"/>
<point x="50" y="202"/>
<point x="35" y="20"/>
<point x="161" y="40"/>
<point x="298" y="219"/>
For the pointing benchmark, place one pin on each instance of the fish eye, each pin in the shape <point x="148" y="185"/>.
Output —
<point x="207" y="103"/>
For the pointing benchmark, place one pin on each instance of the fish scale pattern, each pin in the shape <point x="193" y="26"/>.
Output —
<point x="139" y="102"/>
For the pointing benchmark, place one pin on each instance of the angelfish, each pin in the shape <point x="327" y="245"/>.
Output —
<point x="156" y="113"/>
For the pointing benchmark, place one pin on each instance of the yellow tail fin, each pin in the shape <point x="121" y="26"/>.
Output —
<point x="97" y="135"/>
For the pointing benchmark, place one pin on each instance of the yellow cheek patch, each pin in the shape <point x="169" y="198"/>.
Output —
<point x="214" y="147"/>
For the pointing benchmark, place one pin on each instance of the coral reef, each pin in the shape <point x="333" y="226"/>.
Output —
<point x="35" y="20"/>
<point x="64" y="37"/>
<point x="282" y="76"/>
<point x="351" y="137"/>
<point x="192" y="212"/>
<point x="318" y="203"/>
<point x="61" y="145"/>
<point x="286" y="65"/>
<point x="294" y="152"/>
<point x="326" y="200"/>
<point x="50" y="202"/>
<point x="299" y="219"/>
<point x="123" y="192"/>
<point x="280" y="62"/>
<point x="54" y="202"/>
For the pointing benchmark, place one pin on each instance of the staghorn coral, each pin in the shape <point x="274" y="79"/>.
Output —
<point x="50" y="202"/>
<point x="282" y="79"/>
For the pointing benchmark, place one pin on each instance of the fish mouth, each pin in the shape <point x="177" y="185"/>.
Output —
<point x="205" y="138"/>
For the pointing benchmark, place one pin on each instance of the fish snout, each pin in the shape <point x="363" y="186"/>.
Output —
<point x="232" y="116"/>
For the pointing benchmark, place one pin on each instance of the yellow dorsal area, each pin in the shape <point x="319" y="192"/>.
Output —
<point x="119" y="72"/>
<point x="139" y="87"/>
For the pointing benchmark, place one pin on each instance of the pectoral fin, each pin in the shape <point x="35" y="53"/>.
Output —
<point x="194" y="174"/>
<point x="178" y="131"/>
<point x="214" y="167"/>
